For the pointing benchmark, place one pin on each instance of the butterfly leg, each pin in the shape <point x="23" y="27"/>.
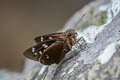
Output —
<point x="82" y="43"/>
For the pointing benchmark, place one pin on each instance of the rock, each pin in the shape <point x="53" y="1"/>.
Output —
<point x="99" y="23"/>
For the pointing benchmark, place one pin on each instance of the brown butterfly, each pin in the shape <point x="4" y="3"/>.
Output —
<point x="51" y="48"/>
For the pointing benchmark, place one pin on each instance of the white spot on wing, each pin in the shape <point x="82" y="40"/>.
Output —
<point x="47" y="56"/>
<point x="33" y="49"/>
<point x="35" y="53"/>
<point x="45" y="46"/>
<point x="41" y="38"/>
<point x="44" y="50"/>
<point x="50" y="38"/>
<point x="40" y="52"/>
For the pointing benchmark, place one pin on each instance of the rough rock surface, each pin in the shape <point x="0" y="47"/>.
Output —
<point x="99" y="24"/>
<point x="100" y="60"/>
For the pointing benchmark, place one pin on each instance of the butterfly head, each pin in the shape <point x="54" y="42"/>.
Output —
<point x="71" y="33"/>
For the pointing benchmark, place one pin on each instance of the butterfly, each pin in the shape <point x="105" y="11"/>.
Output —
<point x="51" y="48"/>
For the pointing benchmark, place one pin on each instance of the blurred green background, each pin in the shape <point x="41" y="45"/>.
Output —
<point x="22" y="20"/>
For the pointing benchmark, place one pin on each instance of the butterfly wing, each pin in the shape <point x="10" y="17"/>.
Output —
<point x="36" y="51"/>
<point x="40" y="39"/>
<point x="54" y="54"/>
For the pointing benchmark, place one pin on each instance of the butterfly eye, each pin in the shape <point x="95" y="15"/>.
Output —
<point x="69" y="34"/>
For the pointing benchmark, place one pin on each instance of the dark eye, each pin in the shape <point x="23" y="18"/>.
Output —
<point x="69" y="34"/>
